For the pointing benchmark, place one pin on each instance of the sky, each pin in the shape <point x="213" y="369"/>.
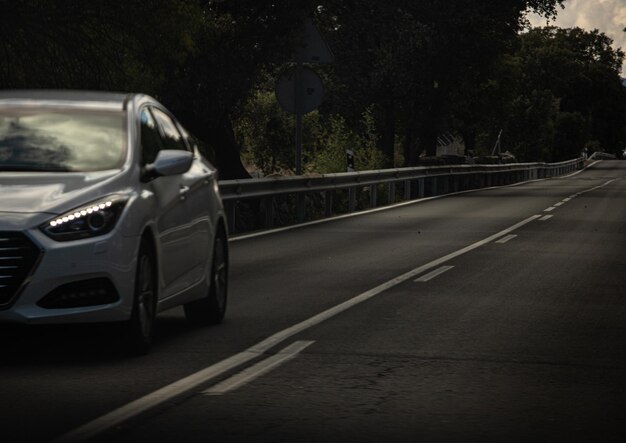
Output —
<point x="608" y="16"/>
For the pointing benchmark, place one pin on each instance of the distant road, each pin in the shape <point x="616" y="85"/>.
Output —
<point x="496" y="315"/>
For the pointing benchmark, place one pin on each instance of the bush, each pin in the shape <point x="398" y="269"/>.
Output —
<point x="336" y="138"/>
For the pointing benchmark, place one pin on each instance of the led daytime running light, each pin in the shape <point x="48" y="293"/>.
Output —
<point x="80" y="214"/>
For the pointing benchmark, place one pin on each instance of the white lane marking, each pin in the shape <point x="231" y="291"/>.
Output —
<point x="580" y="170"/>
<point x="136" y="407"/>
<point x="551" y="208"/>
<point x="546" y="217"/>
<point x="392" y="206"/>
<point x="433" y="274"/>
<point x="565" y="200"/>
<point x="506" y="239"/>
<point x="556" y="205"/>
<point x="597" y="187"/>
<point x="259" y="369"/>
<point x="350" y="215"/>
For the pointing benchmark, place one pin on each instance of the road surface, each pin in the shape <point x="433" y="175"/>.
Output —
<point x="496" y="315"/>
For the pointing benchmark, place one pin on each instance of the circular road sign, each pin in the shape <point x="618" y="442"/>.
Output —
<point x="309" y="90"/>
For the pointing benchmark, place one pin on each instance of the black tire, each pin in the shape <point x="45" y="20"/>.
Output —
<point x="211" y="309"/>
<point x="139" y="330"/>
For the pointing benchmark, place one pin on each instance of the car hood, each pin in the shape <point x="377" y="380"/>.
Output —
<point x="29" y="193"/>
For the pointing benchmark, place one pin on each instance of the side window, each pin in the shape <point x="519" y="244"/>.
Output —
<point x="172" y="139"/>
<point x="150" y="138"/>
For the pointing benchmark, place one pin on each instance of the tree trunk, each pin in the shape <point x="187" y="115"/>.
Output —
<point x="221" y="138"/>
<point x="411" y="154"/>
<point x="388" y="137"/>
<point x="469" y="140"/>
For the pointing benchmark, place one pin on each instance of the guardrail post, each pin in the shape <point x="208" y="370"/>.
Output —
<point x="300" y="201"/>
<point x="434" y="185"/>
<point x="268" y="207"/>
<point x="232" y="214"/>
<point x="420" y="188"/>
<point x="407" y="189"/>
<point x="328" y="203"/>
<point x="373" y="196"/>
<point x="351" y="199"/>
<point x="391" y="193"/>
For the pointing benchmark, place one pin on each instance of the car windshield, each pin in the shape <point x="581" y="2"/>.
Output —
<point x="57" y="140"/>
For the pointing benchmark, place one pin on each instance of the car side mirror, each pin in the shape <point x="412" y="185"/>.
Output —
<point x="168" y="162"/>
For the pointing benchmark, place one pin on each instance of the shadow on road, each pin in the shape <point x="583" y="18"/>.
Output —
<point x="82" y="343"/>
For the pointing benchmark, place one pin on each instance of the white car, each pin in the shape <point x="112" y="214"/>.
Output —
<point x="108" y="213"/>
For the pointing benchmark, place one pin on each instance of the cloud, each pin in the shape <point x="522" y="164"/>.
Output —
<point x="608" y="16"/>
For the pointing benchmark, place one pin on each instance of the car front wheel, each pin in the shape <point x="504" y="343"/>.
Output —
<point x="211" y="309"/>
<point x="140" y="327"/>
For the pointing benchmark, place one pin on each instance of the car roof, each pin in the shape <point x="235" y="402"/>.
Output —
<point x="94" y="99"/>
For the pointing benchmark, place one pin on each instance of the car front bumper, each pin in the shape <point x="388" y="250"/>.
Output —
<point x="71" y="267"/>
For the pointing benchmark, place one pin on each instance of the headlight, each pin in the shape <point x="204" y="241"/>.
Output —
<point x="90" y="220"/>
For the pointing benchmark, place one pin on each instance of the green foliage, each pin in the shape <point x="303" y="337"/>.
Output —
<point x="267" y="134"/>
<point x="569" y="135"/>
<point x="405" y="72"/>
<point x="414" y="59"/>
<point x="336" y="138"/>
<point x="536" y="110"/>
<point x="580" y="71"/>
<point x="95" y="45"/>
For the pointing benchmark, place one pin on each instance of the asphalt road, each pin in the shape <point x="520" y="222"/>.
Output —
<point x="496" y="315"/>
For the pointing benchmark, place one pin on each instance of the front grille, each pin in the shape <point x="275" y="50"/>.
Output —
<point x="18" y="256"/>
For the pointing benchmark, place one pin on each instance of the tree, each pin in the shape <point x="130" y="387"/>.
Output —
<point x="581" y="71"/>
<point x="201" y="58"/>
<point x="94" y="45"/>
<point x="416" y="58"/>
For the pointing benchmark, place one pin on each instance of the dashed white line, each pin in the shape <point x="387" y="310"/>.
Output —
<point x="551" y="208"/>
<point x="136" y="407"/>
<point x="433" y="274"/>
<point x="556" y="205"/>
<point x="546" y="217"/>
<point x="259" y="369"/>
<point x="166" y="393"/>
<point x="506" y="239"/>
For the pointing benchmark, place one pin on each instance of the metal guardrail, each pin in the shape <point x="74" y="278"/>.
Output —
<point x="602" y="156"/>
<point x="265" y="203"/>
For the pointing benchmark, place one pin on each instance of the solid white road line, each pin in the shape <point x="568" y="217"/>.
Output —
<point x="433" y="274"/>
<point x="506" y="239"/>
<point x="388" y="207"/>
<point x="259" y="369"/>
<point x="134" y="408"/>
<point x="546" y="217"/>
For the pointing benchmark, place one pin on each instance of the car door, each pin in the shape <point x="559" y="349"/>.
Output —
<point x="187" y="242"/>
<point x="171" y="216"/>
<point x="203" y="203"/>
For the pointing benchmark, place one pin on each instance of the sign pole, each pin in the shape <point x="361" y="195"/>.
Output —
<point x="298" y="108"/>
